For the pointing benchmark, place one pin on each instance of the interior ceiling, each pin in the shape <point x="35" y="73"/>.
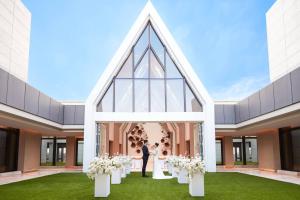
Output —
<point x="11" y="121"/>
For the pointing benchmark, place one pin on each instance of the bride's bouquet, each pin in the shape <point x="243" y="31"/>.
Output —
<point x="100" y="165"/>
<point x="195" y="165"/>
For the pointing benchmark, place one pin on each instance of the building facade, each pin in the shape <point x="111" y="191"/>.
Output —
<point x="15" y="24"/>
<point x="283" y="31"/>
<point x="150" y="91"/>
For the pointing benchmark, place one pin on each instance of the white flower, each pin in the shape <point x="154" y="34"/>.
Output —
<point x="100" y="165"/>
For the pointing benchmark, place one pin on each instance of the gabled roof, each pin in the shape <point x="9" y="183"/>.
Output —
<point x="149" y="13"/>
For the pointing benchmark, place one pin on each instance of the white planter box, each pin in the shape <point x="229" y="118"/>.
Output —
<point x="196" y="186"/>
<point x="174" y="172"/>
<point x="116" y="176"/>
<point x="169" y="168"/>
<point x="183" y="176"/>
<point x="123" y="172"/>
<point x="128" y="169"/>
<point x="102" y="185"/>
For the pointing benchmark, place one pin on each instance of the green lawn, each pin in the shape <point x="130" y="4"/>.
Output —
<point x="219" y="186"/>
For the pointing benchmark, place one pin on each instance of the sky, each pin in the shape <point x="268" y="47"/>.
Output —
<point x="72" y="41"/>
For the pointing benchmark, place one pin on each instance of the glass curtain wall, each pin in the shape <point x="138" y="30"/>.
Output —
<point x="245" y="150"/>
<point x="9" y="145"/>
<point x="149" y="81"/>
<point x="53" y="151"/>
<point x="290" y="149"/>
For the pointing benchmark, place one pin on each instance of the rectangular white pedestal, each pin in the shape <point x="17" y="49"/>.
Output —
<point x="123" y="172"/>
<point x="183" y="176"/>
<point x="116" y="176"/>
<point x="174" y="172"/>
<point x="196" y="186"/>
<point x="102" y="185"/>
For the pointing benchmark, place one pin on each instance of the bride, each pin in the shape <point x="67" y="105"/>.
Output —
<point x="157" y="168"/>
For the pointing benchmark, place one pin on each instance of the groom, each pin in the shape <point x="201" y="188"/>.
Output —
<point x="145" y="157"/>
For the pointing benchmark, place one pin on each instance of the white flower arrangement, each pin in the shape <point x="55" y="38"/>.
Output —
<point x="171" y="159"/>
<point x="126" y="160"/>
<point x="116" y="162"/>
<point x="183" y="162"/>
<point x="100" y="165"/>
<point x="195" y="165"/>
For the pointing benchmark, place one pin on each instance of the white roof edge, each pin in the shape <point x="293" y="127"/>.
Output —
<point x="71" y="102"/>
<point x="226" y="102"/>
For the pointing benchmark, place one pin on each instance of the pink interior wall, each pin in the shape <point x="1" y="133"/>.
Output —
<point x="71" y="146"/>
<point x="228" y="151"/>
<point x="29" y="152"/>
<point x="268" y="151"/>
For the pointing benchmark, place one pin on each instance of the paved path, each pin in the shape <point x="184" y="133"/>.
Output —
<point x="264" y="174"/>
<point x="15" y="177"/>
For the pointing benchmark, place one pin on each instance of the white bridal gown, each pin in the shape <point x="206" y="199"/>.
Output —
<point x="157" y="168"/>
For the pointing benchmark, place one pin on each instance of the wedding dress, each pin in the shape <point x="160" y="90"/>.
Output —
<point x="157" y="168"/>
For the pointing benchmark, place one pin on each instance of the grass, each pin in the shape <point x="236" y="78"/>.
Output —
<point x="247" y="163"/>
<point x="221" y="186"/>
<point x="51" y="164"/>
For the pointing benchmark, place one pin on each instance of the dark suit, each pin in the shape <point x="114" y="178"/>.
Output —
<point x="145" y="159"/>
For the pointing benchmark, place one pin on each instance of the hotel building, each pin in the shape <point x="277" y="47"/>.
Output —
<point x="149" y="90"/>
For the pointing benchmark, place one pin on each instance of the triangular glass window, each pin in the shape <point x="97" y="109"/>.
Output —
<point x="141" y="45"/>
<point x="149" y="81"/>
<point x="192" y="103"/>
<point x="142" y="70"/>
<point x="157" y="45"/>
<point x="126" y="70"/>
<point x="106" y="103"/>
<point x="171" y="69"/>
<point x="156" y="70"/>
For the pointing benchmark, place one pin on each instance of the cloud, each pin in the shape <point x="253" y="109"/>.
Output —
<point x="240" y="89"/>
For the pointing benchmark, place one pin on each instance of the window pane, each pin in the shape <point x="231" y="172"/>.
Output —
<point x="192" y="104"/>
<point x="175" y="98"/>
<point x="156" y="45"/>
<point x="157" y="96"/>
<point x="126" y="70"/>
<point x="79" y="159"/>
<point x="106" y="104"/>
<point x="142" y="70"/>
<point x="219" y="152"/>
<point x="123" y="95"/>
<point x="172" y="71"/>
<point x="141" y="45"/>
<point x="251" y="151"/>
<point x="156" y="70"/>
<point x="61" y="152"/>
<point x="47" y="152"/>
<point x="141" y="95"/>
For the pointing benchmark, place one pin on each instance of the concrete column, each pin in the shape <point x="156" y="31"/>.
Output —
<point x="268" y="151"/>
<point x="228" y="151"/>
<point x="29" y="152"/>
<point x="182" y="144"/>
<point x="192" y="139"/>
<point x="116" y="144"/>
<point x="71" y="143"/>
